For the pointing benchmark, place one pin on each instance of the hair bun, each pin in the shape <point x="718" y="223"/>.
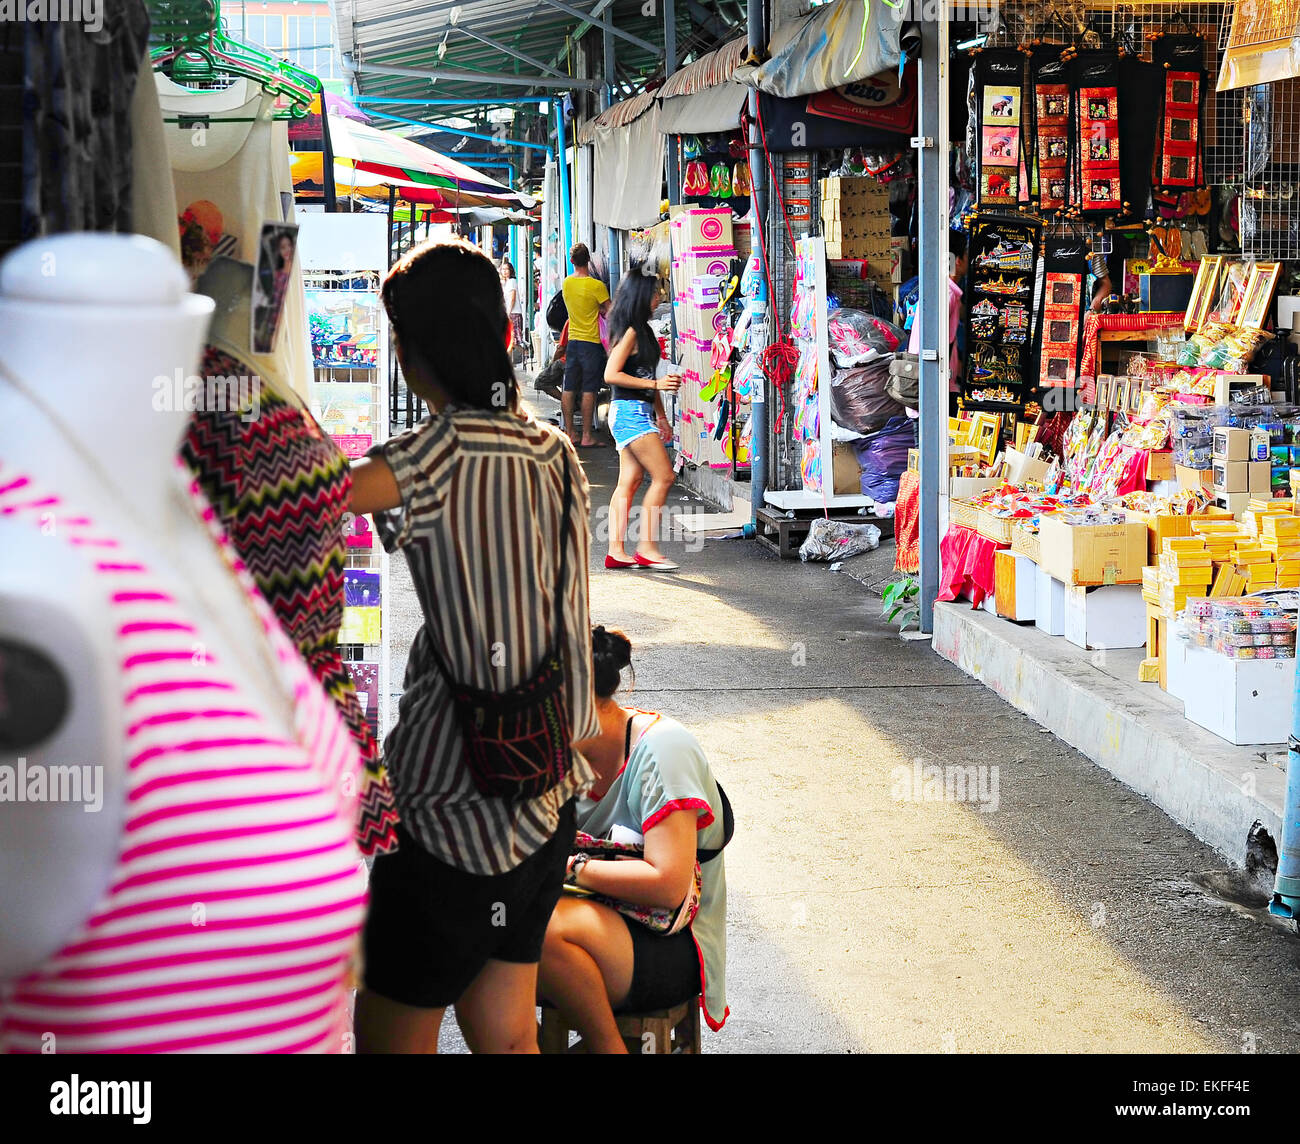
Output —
<point x="611" y="651"/>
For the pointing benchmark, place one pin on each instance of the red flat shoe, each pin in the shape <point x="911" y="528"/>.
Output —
<point x="656" y="565"/>
<point x="615" y="562"/>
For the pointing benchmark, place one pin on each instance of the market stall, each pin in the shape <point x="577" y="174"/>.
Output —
<point x="1120" y="469"/>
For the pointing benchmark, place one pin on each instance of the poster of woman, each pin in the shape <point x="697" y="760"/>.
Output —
<point x="276" y="250"/>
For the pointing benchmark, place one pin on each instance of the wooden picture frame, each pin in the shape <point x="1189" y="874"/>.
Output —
<point x="1259" y="294"/>
<point x="1204" y="292"/>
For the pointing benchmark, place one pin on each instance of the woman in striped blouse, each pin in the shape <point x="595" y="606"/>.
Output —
<point x="474" y="496"/>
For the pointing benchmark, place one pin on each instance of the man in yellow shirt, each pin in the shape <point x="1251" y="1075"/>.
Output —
<point x="586" y="299"/>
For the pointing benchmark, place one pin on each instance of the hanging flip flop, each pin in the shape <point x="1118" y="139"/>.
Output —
<point x="742" y="186"/>
<point x="720" y="181"/>
<point x="716" y="384"/>
<point x="695" y="184"/>
<point x="691" y="148"/>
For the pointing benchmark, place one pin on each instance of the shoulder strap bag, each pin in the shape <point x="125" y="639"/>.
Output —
<point x="518" y="743"/>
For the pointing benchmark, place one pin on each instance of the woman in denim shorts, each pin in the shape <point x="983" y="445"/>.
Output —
<point x="637" y="420"/>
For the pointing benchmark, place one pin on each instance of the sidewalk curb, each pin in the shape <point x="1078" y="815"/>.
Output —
<point x="1215" y="790"/>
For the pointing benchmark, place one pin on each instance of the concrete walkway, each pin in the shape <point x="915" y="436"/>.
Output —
<point x="1059" y="912"/>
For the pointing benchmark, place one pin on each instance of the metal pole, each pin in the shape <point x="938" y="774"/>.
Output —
<point x="566" y="223"/>
<point x="607" y="99"/>
<point x="932" y="309"/>
<point x="327" y="157"/>
<point x="758" y="435"/>
<point x="392" y="204"/>
<point x="670" y="66"/>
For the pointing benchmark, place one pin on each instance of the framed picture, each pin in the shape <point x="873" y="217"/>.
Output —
<point x="1204" y="292"/>
<point x="1259" y="294"/>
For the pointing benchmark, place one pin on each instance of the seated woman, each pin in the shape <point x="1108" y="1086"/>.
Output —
<point x="652" y="782"/>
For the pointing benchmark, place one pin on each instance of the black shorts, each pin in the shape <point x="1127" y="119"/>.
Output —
<point x="665" y="970"/>
<point x="432" y="928"/>
<point x="584" y="367"/>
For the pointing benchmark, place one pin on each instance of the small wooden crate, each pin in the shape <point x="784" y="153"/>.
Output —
<point x="665" y="1032"/>
<point x="784" y="534"/>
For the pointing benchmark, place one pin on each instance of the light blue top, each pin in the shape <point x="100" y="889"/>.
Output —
<point x="665" y="772"/>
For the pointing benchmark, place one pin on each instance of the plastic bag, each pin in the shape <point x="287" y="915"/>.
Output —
<point x="859" y="400"/>
<point x="857" y="337"/>
<point x="883" y="459"/>
<point x="838" y="540"/>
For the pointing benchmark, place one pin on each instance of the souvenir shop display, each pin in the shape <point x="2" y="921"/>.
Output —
<point x="1065" y="268"/>
<point x="705" y="273"/>
<point x="179" y="684"/>
<point x="998" y="87"/>
<point x="1179" y="162"/>
<point x="814" y="335"/>
<point x="1051" y="152"/>
<point x="1003" y="254"/>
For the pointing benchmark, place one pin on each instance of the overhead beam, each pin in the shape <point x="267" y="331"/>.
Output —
<point x="506" y="50"/>
<point x="429" y="37"/>
<point x="408" y="14"/>
<point x="453" y="76"/>
<point x="594" y="21"/>
<point x="581" y="29"/>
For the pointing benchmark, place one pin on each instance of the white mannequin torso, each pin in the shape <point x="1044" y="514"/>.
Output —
<point x="95" y="437"/>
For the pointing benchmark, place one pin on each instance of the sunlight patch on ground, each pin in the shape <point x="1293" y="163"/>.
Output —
<point x="910" y="920"/>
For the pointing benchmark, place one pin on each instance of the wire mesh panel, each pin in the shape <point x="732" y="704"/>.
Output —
<point x="1129" y="26"/>
<point x="1270" y="204"/>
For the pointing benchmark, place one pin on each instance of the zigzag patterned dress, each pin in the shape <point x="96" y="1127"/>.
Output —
<point x="281" y="487"/>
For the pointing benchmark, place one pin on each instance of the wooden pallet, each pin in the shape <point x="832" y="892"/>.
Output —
<point x="784" y="534"/>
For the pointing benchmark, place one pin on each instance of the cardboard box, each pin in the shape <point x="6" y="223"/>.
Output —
<point x="899" y="258"/>
<point x="1021" y="468"/>
<point x="1259" y="478"/>
<point x="1160" y="465"/>
<point x="966" y="487"/>
<point x="1231" y="444"/>
<point x="1194" y="478"/>
<point x="1159" y="526"/>
<point x="1234" y="503"/>
<point x="1245" y="701"/>
<point x="1049" y="604"/>
<point x="707" y="228"/>
<point x="847" y="471"/>
<point x="1108" y="617"/>
<point x="1230" y="476"/>
<point x="1087" y="554"/>
<point x="1014" y="577"/>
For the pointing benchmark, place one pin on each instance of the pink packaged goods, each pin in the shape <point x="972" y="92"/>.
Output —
<point x="706" y="228"/>
<point x="715" y="262"/>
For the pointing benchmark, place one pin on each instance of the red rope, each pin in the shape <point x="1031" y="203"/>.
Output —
<point x="778" y="361"/>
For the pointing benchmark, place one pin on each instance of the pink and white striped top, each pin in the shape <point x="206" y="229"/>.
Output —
<point x="238" y="893"/>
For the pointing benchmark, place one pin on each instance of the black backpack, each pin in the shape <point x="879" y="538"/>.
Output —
<point x="557" y="313"/>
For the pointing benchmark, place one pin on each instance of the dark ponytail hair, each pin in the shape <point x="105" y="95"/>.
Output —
<point x="631" y="311"/>
<point x="611" y="652"/>
<point x="448" y="314"/>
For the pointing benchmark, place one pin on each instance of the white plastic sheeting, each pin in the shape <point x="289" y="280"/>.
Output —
<point x="629" y="173"/>
<point x="834" y="45"/>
